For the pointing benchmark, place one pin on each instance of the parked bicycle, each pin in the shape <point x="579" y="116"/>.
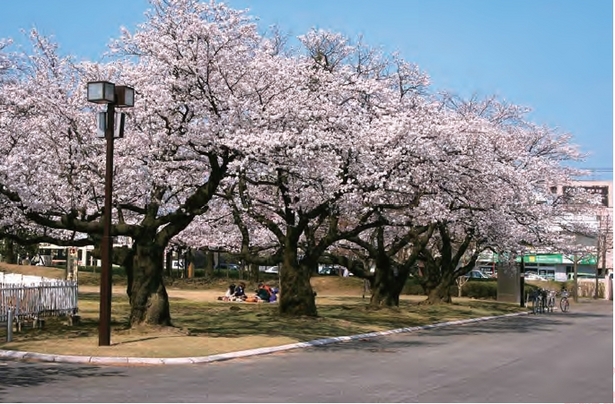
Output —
<point x="538" y="301"/>
<point x="564" y="304"/>
<point x="542" y="301"/>
<point x="550" y="300"/>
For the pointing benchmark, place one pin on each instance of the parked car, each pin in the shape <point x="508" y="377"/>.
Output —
<point x="225" y="265"/>
<point x="580" y="275"/>
<point x="272" y="270"/>
<point x="328" y="271"/>
<point x="531" y="276"/>
<point x="476" y="274"/>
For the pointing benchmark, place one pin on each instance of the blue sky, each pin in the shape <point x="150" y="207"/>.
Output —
<point x="554" y="56"/>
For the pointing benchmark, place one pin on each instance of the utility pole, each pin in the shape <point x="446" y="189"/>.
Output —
<point x="599" y="246"/>
<point x="575" y="295"/>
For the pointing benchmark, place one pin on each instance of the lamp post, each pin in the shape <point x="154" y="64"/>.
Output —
<point x="104" y="92"/>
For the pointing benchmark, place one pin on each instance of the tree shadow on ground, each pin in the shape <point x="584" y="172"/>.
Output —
<point x="350" y="318"/>
<point x="31" y="374"/>
<point x="374" y="345"/>
<point x="523" y="325"/>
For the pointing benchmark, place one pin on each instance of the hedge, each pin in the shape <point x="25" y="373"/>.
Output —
<point x="482" y="288"/>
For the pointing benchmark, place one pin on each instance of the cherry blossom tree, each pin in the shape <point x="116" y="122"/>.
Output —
<point x="505" y="167"/>
<point x="238" y="143"/>
<point x="196" y="68"/>
<point x="307" y="189"/>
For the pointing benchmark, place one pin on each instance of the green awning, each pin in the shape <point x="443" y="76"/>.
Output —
<point x="556" y="259"/>
<point x="543" y="259"/>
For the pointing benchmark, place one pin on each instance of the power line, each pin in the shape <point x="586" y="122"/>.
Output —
<point x="597" y="169"/>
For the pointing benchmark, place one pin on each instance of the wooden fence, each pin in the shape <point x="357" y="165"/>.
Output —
<point x="588" y="286"/>
<point x="34" y="300"/>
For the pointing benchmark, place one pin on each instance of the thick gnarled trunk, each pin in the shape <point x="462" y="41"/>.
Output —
<point x="149" y="302"/>
<point x="386" y="286"/>
<point x="437" y="284"/>
<point x="296" y="293"/>
<point x="440" y="270"/>
<point x="439" y="294"/>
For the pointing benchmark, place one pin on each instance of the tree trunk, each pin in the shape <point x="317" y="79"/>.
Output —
<point x="296" y="293"/>
<point x="9" y="251"/>
<point x="439" y="293"/>
<point x="601" y="247"/>
<point x="254" y="273"/>
<point x="149" y="302"/>
<point x="386" y="287"/>
<point x="124" y="257"/>
<point x="169" y="263"/>
<point x="209" y="264"/>
<point x="597" y="285"/>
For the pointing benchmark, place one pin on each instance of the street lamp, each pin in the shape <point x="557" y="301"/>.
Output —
<point x="104" y="92"/>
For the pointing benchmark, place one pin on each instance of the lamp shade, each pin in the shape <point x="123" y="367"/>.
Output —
<point x="101" y="92"/>
<point x="125" y="96"/>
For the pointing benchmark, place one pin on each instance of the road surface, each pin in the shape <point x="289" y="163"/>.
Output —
<point x="560" y="357"/>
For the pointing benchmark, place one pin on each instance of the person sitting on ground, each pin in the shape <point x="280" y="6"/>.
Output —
<point x="263" y="292"/>
<point x="229" y="293"/>
<point x="240" y="293"/>
<point x="274" y="294"/>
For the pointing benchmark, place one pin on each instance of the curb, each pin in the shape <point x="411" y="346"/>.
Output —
<point x="114" y="360"/>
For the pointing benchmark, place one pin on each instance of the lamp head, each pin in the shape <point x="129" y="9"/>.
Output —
<point x="101" y="92"/>
<point x="124" y="96"/>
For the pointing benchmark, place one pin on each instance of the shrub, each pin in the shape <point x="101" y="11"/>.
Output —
<point x="480" y="289"/>
<point x="412" y="287"/>
<point x="476" y="288"/>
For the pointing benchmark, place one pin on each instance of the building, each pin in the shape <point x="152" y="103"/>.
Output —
<point x="55" y="255"/>
<point x="560" y="266"/>
<point x="601" y="220"/>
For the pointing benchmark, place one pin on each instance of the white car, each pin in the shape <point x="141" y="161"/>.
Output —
<point x="534" y="277"/>
<point x="272" y="270"/>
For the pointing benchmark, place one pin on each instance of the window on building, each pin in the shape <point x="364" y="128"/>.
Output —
<point x="601" y="190"/>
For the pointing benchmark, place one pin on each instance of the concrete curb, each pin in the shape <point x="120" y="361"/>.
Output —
<point x="111" y="360"/>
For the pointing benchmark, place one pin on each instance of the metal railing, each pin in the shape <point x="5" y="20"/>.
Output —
<point x="32" y="298"/>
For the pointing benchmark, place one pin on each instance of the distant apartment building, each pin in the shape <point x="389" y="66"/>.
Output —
<point x="560" y="266"/>
<point x="600" y="218"/>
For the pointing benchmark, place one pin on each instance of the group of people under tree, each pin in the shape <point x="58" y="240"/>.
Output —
<point x="263" y="294"/>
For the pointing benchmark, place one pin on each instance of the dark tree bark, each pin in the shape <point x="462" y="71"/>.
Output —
<point x="9" y="251"/>
<point x="254" y="273"/>
<point x="151" y="235"/>
<point x="169" y="263"/>
<point x="387" y="287"/>
<point x="124" y="256"/>
<point x="296" y="294"/>
<point x="297" y="297"/>
<point x="209" y="263"/>
<point x="393" y="261"/>
<point x="438" y="288"/>
<point x="441" y="270"/>
<point x="149" y="302"/>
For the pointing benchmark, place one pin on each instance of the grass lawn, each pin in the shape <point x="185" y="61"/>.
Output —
<point x="204" y="326"/>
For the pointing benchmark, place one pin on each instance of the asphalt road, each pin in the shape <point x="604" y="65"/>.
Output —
<point x="560" y="357"/>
